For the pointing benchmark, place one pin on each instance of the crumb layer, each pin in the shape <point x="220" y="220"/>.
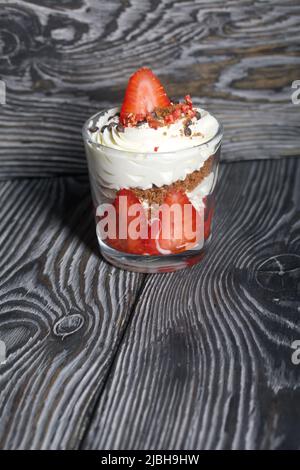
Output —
<point x="157" y="195"/>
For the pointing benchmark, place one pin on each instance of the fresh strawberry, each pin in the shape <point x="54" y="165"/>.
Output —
<point x="187" y="222"/>
<point x="126" y="240"/>
<point x="144" y="92"/>
<point x="188" y="100"/>
<point x="177" y="113"/>
<point x="169" y="119"/>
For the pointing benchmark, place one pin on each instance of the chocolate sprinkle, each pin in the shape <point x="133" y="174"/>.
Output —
<point x="103" y="128"/>
<point x="197" y="115"/>
<point x="93" y="129"/>
<point x="115" y="115"/>
<point x="187" y="131"/>
<point x="120" y="128"/>
<point x="111" y="125"/>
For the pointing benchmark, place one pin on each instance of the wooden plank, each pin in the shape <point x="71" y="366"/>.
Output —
<point x="61" y="63"/>
<point x="207" y="360"/>
<point x="63" y="312"/>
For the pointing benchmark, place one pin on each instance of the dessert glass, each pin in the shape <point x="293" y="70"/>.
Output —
<point x="104" y="162"/>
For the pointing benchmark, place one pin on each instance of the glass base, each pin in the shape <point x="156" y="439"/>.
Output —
<point x="149" y="263"/>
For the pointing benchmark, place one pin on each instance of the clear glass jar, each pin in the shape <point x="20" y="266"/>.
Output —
<point x="141" y="224"/>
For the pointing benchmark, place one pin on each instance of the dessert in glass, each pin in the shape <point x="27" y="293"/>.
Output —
<point x="153" y="166"/>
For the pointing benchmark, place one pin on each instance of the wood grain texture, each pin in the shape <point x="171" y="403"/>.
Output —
<point x="63" y="312"/>
<point x="196" y="359"/>
<point x="206" y="362"/>
<point x="63" y="61"/>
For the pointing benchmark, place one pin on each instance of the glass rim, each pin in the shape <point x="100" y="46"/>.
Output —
<point x="87" y="139"/>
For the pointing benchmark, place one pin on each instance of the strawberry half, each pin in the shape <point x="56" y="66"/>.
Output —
<point x="124" y="203"/>
<point x="143" y="94"/>
<point x="171" y="240"/>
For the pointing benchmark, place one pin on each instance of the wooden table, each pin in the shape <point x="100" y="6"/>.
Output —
<point x="99" y="358"/>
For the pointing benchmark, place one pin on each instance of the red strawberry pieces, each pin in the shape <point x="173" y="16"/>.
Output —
<point x="131" y="224"/>
<point x="174" y="229"/>
<point x="179" y="230"/>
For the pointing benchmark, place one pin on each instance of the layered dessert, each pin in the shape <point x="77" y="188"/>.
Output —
<point x="155" y="154"/>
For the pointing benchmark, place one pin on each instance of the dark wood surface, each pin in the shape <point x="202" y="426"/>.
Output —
<point x="206" y="362"/>
<point x="106" y="359"/>
<point x="63" y="61"/>
<point x="63" y="312"/>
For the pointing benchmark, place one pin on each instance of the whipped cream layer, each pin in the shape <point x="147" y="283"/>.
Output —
<point x="127" y="159"/>
<point x="197" y="195"/>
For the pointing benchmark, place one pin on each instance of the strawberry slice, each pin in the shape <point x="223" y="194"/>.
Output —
<point x="180" y="230"/>
<point x="127" y="239"/>
<point x="143" y="94"/>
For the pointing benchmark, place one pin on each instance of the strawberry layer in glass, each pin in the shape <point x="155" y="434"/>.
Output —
<point x="157" y="153"/>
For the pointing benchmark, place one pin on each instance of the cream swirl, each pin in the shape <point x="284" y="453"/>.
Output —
<point x="146" y="139"/>
<point x="126" y="159"/>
